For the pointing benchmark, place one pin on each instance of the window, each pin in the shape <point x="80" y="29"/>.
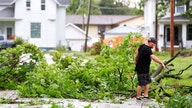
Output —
<point x="42" y="4"/>
<point x="35" y="30"/>
<point x="28" y="3"/>
<point x="101" y="29"/>
<point x="180" y="7"/>
<point x="189" y="32"/>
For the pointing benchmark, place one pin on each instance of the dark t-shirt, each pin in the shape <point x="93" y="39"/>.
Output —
<point x="144" y="60"/>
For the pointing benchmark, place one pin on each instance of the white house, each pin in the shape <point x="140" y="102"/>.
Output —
<point x="75" y="38"/>
<point x="40" y="22"/>
<point x="120" y="31"/>
<point x="182" y="25"/>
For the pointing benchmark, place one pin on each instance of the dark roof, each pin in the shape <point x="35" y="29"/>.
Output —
<point x="6" y="1"/>
<point x="63" y="2"/>
<point x="179" y="17"/>
<point x="176" y="19"/>
<point x="7" y="12"/>
<point x="99" y="19"/>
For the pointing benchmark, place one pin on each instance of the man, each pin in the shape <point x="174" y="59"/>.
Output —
<point x="144" y="55"/>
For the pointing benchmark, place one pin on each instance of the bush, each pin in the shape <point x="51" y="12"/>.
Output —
<point x="179" y="101"/>
<point x="18" y="41"/>
<point x="16" y="63"/>
<point x="61" y="48"/>
<point x="96" y="48"/>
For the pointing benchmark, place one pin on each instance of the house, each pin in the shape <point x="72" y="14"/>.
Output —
<point x="40" y="22"/>
<point x="75" y="37"/>
<point x="182" y="26"/>
<point x="101" y="23"/>
<point x="120" y="31"/>
<point x="116" y="35"/>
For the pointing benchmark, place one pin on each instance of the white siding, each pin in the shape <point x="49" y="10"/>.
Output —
<point x="46" y="17"/>
<point x="149" y="17"/>
<point x="75" y="37"/>
<point x="61" y="14"/>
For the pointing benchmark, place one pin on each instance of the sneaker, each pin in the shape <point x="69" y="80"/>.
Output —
<point x="146" y="97"/>
<point x="138" y="98"/>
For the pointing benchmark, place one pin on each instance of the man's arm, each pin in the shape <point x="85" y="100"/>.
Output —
<point x="136" y="56"/>
<point x="156" y="59"/>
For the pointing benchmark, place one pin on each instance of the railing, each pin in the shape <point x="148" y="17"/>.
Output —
<point x="5" y="43"/>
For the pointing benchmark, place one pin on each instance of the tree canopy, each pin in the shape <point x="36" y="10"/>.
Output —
<point x="163" y="7"/>
<point x="104" y="7"/>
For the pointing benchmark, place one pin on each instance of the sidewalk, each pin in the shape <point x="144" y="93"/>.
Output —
<point x="68" y="103"/>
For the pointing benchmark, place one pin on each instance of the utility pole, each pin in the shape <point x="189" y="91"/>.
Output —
<point x="87" y="30"/>
<point x="156" y="28"/>
<point x="172" y="27"/>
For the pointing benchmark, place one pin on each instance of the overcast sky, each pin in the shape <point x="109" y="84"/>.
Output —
<point x="132" y="4"/>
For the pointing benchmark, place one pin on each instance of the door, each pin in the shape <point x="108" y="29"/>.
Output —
<point x="177" y="34"/>
<point x="10" y="33"/>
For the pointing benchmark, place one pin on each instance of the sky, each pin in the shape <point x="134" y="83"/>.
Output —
<point x="132" y="3"/>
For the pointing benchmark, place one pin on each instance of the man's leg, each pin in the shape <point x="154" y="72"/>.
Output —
<point x="139" y="90"/>
<point x="146" y="90"/>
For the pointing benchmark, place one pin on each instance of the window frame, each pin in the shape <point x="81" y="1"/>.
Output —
<point x="43" y="6"/>
<point x="101" y="29"/>
<point x="35" y="30"/>
<point x="189" y="32"/>
<point x="28" y="3"/>
<point x="179" y="7"/>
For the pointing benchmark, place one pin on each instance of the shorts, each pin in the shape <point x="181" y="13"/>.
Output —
<point x="143" y="79"/>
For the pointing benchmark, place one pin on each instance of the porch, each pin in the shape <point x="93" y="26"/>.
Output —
<point x="182" y="36"/>
<point x="168" y="48"/>
<point x="7" y="30"/>
<point x="182" y="33"/>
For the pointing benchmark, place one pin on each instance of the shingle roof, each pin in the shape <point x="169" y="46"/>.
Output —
<point x="6" y="1"/>
<point x="99" y="19"/>
<point x="177" y="18"/>
<point x="63" y="2"/>
<point x="7" y="12"/>
<point x="60" y="2"/>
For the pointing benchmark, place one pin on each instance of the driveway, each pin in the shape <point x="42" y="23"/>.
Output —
<point x="14" y="101"/>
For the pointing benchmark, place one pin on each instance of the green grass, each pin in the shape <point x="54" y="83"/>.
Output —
<point x="179" y="63"/>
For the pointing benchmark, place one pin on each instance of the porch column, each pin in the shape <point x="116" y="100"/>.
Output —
<point x="149" y="17"/>
<point x="160" y="36"/>
<point x="184" y="34"/>
<point x="60" y="21"/>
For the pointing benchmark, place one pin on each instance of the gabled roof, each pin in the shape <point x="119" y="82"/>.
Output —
<point x="7" y="2"/>
<point x="120" y="30"/>
<point x="99" y="19"/>
<point x="76" y="28"/>
<point x="62" y="2"/>
<point x="7" y="12"/>
<point x="10" y="2"/>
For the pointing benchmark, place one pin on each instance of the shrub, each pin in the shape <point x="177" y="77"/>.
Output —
<point x="18" y="41"/>
<point x="179" y="101"/>
<point x="96" y="48"/>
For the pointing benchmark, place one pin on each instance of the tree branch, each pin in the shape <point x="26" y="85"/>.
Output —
<point x="159" y="69"/>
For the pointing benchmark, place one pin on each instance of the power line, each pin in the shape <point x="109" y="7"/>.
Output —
<point x="113" y="8"/>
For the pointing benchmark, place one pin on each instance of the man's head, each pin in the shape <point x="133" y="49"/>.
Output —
<point x="152" y="42"/>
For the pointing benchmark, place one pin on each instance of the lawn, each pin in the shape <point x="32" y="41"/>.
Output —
<point x="179" y="64"/>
